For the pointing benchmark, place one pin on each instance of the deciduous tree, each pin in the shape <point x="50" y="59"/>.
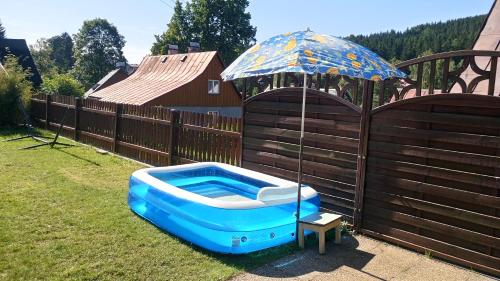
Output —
<point x="41" y="52"/>
<point x="221" y="25"/>
<point x="98" y="47"/>
<point x="178" y="31"/>
<point x="62" y="84"/>
<point x="53" y="55"/>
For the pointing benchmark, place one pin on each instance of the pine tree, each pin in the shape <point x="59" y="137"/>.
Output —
<point x="98" y="47"/>
<point x="437" y="37"/>
<point x="2" y="31"/>
<point x="62" y="51"/>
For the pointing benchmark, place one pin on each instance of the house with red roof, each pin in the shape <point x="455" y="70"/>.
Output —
<point x="188" y="82"/>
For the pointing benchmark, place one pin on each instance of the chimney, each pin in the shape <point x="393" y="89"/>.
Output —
<point x="173" y="49"/>
<point x="194" y="47"/>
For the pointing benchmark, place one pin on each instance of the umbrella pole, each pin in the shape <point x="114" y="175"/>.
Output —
<point x="301" y="147"/>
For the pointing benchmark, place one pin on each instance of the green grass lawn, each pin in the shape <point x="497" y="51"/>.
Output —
<point x="64" y="215"/>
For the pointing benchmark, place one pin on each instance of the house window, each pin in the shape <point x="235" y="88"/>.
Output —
<point x="213" y="87"/>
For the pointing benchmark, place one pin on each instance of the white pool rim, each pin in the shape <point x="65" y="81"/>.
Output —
<point x="306" y="191"/>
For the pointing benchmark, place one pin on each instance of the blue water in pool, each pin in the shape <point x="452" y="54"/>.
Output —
<point x="221" y="230"/>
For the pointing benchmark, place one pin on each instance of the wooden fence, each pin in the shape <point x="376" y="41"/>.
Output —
<point x="432" y="176"/>
<point x="432" y="180"/>
<point x="153" y="135"/>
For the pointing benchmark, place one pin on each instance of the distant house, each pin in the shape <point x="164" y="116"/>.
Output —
<point x="114" y="76"/>
<point x="19" y="48"/>
<point x="488" y="39"/>
<point x="122" y="71"/>
<point x="189" y="82"/>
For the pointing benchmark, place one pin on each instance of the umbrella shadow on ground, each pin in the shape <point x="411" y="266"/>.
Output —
<point x="303" y="262"/>
<point x="15" y="133"/>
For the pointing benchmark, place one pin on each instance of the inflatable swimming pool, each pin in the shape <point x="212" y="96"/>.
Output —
<point x="220" y="207"/>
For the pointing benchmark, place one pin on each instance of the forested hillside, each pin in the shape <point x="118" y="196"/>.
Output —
<point x="437" y="37"/>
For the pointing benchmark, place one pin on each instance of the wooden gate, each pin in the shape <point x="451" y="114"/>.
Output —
<point x="433" y="177"/>
<point x="271" y="138"/>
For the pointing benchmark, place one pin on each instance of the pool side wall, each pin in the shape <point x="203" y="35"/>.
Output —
<point x="235" y="231"/>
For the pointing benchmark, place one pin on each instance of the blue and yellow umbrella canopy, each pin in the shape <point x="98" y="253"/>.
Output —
<point x="311" y="53"/>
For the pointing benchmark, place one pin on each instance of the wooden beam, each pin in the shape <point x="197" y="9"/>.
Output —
<point x="493" y="74"/>
<point x="173" y="135"/>
<point x="76" y="136"/>
<point x="118" y="110"/>
<point x="432" y="77"/>
<point x="362" y="149"/>
<point x="47" y="111"/>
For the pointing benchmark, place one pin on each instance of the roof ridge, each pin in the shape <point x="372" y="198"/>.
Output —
<point x="180" y="54"/>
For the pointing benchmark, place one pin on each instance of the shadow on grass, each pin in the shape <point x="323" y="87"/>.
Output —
<point x="7" y="133"/>
<point x="244" y="262"/>
<point x="64" y="149"/>
<point x="11" y="134"/>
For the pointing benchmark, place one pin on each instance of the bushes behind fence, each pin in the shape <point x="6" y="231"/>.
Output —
<point x="14" y="84"/>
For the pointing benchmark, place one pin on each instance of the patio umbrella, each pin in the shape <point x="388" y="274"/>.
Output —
<point x="310" y="53"/>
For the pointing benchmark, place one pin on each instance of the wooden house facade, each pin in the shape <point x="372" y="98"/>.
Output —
<point x="188" y="82"/>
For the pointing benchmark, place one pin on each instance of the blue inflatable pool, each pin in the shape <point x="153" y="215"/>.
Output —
<point x="219" y="207"/>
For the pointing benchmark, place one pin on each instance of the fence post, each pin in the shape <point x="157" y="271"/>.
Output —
<point x="244" y="92"/>
<point x="47" y="110"/>
<point x="76" y="136"/>
<point x="362" y="151"/>
<point x="118" y="111"/>
<point x="175" y="123"/>
<point x="242" y="130"/>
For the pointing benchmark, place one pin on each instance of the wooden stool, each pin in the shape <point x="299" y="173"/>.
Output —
<point x="320" y="223"/>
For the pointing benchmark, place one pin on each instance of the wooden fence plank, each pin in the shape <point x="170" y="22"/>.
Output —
<point x="437" y="136"/>
<point x="310" y="123"/>
<point x="435" y="153"/>
<point x="443" y="228"/>
<point x="441" y="118"/>
<point x="437" y="172"/>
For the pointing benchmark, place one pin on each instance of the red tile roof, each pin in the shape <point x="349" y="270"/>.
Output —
<point x="156" y="76"/>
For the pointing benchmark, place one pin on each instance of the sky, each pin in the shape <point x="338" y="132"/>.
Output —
<point x="138" y="21"/>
